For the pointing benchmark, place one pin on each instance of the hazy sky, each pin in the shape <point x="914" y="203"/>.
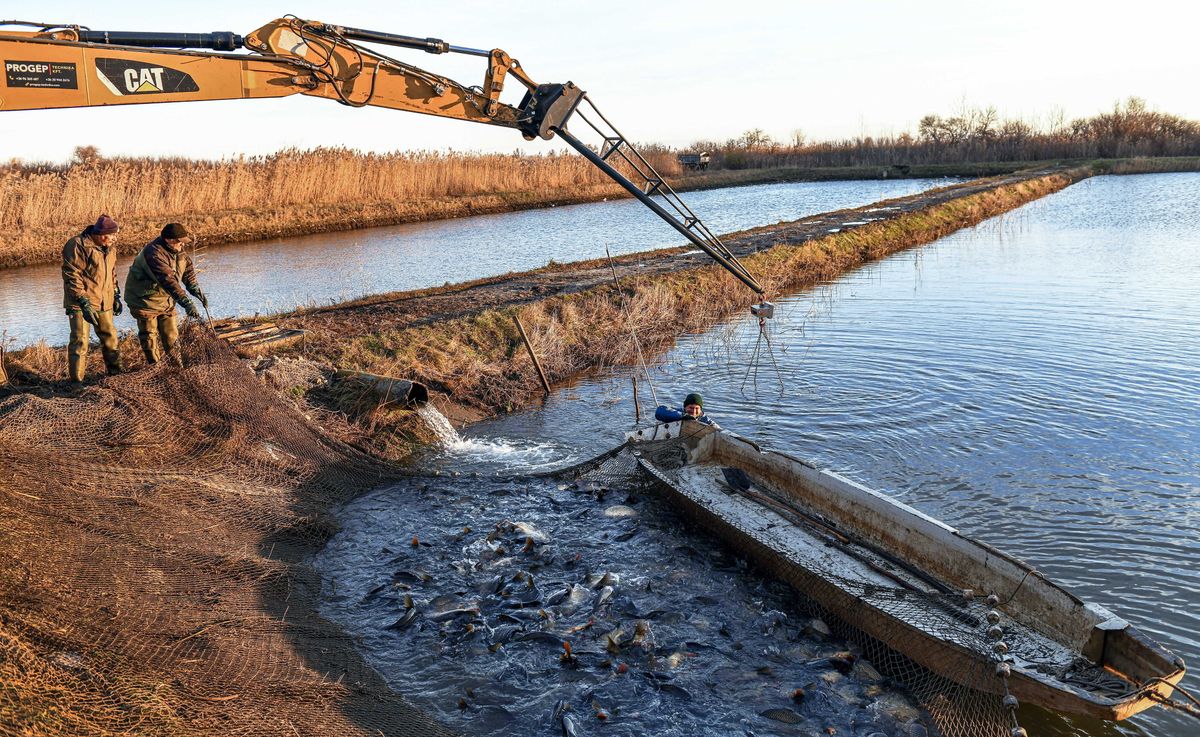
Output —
<point x="665" y="71"/>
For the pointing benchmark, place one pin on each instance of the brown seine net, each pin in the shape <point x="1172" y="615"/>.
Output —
<point x="972" y="704"/>
<point x="154" y="532"/>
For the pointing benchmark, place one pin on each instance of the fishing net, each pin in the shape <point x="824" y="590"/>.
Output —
<point x="154" y="533"/>
<point x="974" y="702"/>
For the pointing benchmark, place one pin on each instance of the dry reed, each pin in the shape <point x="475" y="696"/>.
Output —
<point x="282" y="194"/>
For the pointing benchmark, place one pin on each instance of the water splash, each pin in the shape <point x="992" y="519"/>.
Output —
<point x="441" y="427"/>
<point x="494" y="453"/>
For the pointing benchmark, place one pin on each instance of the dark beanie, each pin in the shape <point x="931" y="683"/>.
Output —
<point x="694" y="399"/>
<point x="105" y="225"/>
<point x="175" y="231"/>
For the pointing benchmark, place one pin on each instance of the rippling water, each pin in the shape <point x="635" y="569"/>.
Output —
<point x="281" y="274"/>
<point x="1033" y="381"/>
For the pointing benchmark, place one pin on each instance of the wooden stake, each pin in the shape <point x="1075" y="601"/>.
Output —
<point x="637" y="406"/>
<point x="3" y="373"/>
<point x="529" y="346"/>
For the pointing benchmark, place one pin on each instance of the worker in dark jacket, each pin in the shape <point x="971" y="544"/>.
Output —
<point x="90" y="294"/>
<point x="693" y="409"/>
<point x="156" y="283"/>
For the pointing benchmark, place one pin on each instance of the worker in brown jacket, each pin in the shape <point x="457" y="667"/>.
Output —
<point x="90" y="294"/>
<point x="156" y="283"/>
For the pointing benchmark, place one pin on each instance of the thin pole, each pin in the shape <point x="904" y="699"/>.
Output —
<point x="529" y="347"/>
<point x="637" y="406"/>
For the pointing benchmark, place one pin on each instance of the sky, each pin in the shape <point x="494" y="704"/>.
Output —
<point x="664" y="71"/>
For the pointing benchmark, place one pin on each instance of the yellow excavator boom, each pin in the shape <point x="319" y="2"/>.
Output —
<point x="73" y="66"/>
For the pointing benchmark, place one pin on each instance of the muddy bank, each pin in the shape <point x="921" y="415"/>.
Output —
<point x="153" y="560"/>
<point x="29" y="245"/>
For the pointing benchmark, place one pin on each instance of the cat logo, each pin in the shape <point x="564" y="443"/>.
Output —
<point x="123" y="77"/>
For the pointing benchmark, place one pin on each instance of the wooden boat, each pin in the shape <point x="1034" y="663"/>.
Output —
<point x="955" y="606"/>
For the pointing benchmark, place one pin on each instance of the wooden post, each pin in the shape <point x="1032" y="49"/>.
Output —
<point x="3" y="373"/>
<point x="529" y="346"/>
<point x="637" y="406"/>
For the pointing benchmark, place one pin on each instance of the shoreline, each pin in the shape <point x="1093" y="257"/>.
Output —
<point x="42" y="246"/>
<point x="221" y="628"/>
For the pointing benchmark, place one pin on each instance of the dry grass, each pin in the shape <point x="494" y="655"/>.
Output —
<point x="480" y="361"/>
<point x="285" y="193"/>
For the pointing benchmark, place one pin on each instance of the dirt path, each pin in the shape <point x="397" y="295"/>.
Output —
<point x="399" y="310"/>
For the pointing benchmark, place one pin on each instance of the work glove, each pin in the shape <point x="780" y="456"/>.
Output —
<point x="200" y="296"/>
<point x="89" y="312"/>
<point x="118" y="308"/>
<point x="190" y="308"/>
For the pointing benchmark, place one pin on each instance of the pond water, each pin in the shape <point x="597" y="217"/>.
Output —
<point x="1033" y="381"/>
<point x="282" y="274"/>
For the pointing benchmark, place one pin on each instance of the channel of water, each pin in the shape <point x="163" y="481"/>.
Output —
<point x="1033" y="381"/>
<point x="277" y="275"/>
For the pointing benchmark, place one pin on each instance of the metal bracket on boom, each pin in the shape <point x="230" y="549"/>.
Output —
<point x="545" y="112"/>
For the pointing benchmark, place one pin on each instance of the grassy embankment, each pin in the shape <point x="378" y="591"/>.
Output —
<point x="479" y="360"/>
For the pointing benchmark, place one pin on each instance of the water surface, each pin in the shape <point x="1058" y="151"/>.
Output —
<point x="285" y="273"/>
<point x="1032" y="381"/>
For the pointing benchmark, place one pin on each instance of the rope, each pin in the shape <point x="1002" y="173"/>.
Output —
<point x="1021" y="583"/>
<point x="629" y="322"/>
<point x="1188" y="709"/>
<point x="762" y="336"/>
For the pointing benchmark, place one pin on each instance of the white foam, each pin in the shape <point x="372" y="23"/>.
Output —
<point x="441" y="427"/>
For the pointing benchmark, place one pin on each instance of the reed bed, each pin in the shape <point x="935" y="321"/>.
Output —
<point x="286" y="193"/>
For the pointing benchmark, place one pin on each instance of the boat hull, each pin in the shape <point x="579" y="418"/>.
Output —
<point x="1109" y="652"/>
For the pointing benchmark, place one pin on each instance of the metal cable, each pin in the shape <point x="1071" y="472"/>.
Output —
<point x="629" y="322"/>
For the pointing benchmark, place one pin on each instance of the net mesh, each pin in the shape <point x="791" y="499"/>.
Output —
<point x="154" y="532"/>
<point x="971" y="703"/>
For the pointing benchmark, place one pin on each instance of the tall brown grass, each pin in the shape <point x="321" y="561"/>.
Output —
<point x="36" y="195"/>
<point x="285" y="193"/>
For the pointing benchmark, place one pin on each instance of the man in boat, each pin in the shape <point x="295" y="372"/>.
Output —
<point x="693" y="409"/>
<point x="156" y="283"/>
<point x="91" y="296"/>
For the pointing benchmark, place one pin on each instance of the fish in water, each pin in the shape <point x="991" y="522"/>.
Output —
<point x="643" y="636"/>
<point x="608" y="578"/>
<point x="454" y="613"/>
<point x="605" y="594"/>
<point x="620" y="511"/>
<point x="404" y="620"/>
<point x="541" y="636"/>
<point x="627" y="535"/>
<point x="612" y="641"/>
<point x="529" y="531"/>
<point x="787" y="716"/>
